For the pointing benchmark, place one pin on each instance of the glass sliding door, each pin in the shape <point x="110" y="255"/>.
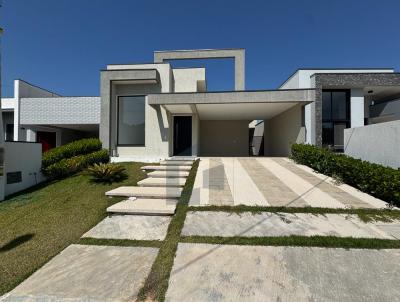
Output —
<point x="335" y="117"/>
<point x="131" y="120"/>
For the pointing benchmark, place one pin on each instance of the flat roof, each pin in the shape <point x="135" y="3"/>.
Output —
<point x="229" y="97"/>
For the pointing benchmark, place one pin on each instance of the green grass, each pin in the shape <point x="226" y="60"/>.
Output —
<point x="39" y="223"/>
<point x="119" y="242"/>
<point x="316" y="241"/>
<point x="366" y="215"/>
<point x="156" y="283"/>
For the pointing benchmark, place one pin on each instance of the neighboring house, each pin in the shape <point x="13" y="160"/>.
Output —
<point x="151" y="111"/>
<point x="38" y="115"/>
<point x="348" y="102"/>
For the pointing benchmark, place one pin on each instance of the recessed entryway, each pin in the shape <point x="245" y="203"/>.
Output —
<point x="182" y="135"/>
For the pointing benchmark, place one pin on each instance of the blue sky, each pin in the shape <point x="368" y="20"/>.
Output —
<point x="61" y="45"/>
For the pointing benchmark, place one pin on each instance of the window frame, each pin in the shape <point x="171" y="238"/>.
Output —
<point x="117" y="111"/>
<point x="334" y="121"/>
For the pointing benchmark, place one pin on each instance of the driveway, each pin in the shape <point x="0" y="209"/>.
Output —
<point x="271" y="181"/>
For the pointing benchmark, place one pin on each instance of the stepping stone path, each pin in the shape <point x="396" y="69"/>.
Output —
<point x="159" y="193"/>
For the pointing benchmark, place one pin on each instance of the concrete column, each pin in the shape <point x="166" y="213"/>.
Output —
<point x="356" y="107"/>
<point x="30" y="135"/>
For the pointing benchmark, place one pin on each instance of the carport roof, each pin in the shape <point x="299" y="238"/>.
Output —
<point x="233" y="105"/>
<point x="228" y="97"/>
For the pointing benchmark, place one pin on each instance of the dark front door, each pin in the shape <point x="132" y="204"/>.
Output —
<point x="183" y="135"/>
<point x="47" y="139"/>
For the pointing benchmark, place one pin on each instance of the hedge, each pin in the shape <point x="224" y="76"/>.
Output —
<point x="81" y="147"/>
<point x="377" y="180"/>
<point x="69" y="166"/>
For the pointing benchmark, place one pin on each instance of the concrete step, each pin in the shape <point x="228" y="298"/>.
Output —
<point x="146" y="192"/>
<point x="168" y="174"/>
<point x="176" y="163"/>
<point x="162" y="182"/>
<point x="167" y="168"/>
<point x="182" y="158"/>
<point x="143" y="206"/>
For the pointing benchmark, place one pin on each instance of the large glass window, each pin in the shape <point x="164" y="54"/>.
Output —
<point x="335" y="117"/>
<point x="131" y="120"/>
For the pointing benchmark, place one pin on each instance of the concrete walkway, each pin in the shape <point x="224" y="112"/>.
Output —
<point x="205" y="272"/>
<point x="88" y="273"/>
<point x="271" y="181"/>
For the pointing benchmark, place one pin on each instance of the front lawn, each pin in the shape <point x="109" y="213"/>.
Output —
<point x="39" y="223"/>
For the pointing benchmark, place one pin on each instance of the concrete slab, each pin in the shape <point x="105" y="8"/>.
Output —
<point x="167" y="168"/>
<point x="89" y="273"/>
<point x="168" y="174"/>
<point x="391" y="229"/>
<point x="183" y="158"/>
<point x="162" y="182"/>
<point x="131" y="227"/>
<point x="281" y="224"/>
<point x="176" y="163"/>
<point x="147" y="192"/>
<point x="204" y="272"/>
<point x="143" y="206"/>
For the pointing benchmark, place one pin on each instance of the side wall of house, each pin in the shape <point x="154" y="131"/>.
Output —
<point x="282" y="131"/>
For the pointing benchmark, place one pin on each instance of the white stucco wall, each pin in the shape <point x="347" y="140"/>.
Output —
<point x="377" y="143"/>
<point x="30" y="166"/>
<point x="186" y="79"/>
<point x="357" y="107"/>
<point x="282" y="131"/>
<point x="224" y="138"/>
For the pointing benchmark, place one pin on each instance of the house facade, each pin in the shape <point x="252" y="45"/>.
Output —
<point x="150" y="111"/>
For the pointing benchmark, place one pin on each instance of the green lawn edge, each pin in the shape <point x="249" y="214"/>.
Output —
<point x="299" y="241"/>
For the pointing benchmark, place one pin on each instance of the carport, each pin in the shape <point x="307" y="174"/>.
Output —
<point x="217" y="123"/>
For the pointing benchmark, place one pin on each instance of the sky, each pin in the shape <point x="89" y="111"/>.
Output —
<point x="61" y="45"/>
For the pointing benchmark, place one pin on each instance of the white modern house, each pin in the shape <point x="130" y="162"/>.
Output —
<point x="151" y="111"/>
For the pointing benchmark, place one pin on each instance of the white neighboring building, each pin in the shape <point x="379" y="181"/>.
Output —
<point x="38" y="115"/>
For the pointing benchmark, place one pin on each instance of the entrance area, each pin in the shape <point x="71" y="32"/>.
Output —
<point x="183" y="135"/>
<point x="47" y="139"/>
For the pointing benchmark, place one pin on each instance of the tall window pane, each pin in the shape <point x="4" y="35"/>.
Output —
<point x="326" y="105"/>
<point x="131" y="120"/>
<point x="339" y="105"/>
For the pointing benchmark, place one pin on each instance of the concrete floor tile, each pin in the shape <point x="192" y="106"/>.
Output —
<point x="88" y="273"/>
<point x="133" y="227"/>
<point x="247" y="224"/>
<point x="205" y="272"/>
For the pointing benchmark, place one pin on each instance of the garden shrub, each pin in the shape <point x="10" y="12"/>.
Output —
<point x="377" y="180"/>
<point x="107" y="172"/>
<point x="80" y="147"/>
<point x="69" y="166"/>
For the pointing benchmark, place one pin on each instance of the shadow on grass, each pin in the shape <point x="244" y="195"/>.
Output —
<point x="16" y="242"/>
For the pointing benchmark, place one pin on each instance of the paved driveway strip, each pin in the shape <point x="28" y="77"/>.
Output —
<point x="269" y="181"/>
<point x="265" y="224"/>
<point x="205" y="272"/>
<point x="337" y="193"/>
